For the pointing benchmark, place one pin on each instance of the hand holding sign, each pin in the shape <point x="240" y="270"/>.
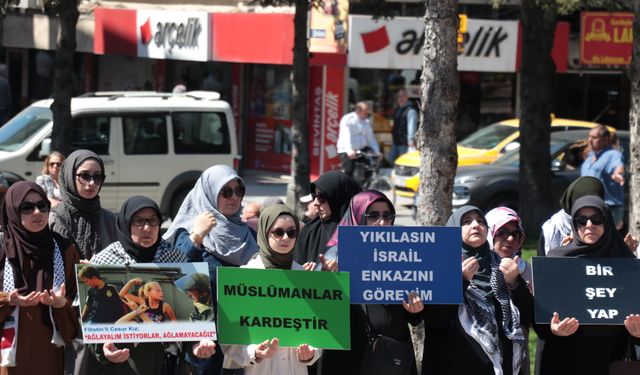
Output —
<point x="469" y="268"/>
<point x="114" y="354"/>
<point x="413" y="304"/>
<point x="509" y="268"/>
<point x="305" y="353"/>
<point x="204" y="349"/>
<point x="267" y="349"/>
<point x="566" y="327"/>
<point x="632" y="322"/>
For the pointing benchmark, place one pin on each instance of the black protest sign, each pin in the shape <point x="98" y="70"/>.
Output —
<point x="594" y="291"/>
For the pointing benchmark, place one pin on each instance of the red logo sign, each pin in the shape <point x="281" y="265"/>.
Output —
<point x="376" y="40"/>
<point x="606" y="38"/>
<point x="145" y="32"/>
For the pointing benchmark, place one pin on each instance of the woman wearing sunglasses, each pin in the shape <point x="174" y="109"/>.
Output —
<point x="571" y="348"/>
<point x="79" y="215"/>
<point x="38" y="283"/>
<point x="277" y="233"/>
<point x="372" y="208"/>
<point x="482" y="335"/>
<point x="48" y="180"/>
<point x="208" y="228"/>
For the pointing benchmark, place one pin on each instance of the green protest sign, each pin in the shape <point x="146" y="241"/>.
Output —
<point x="297" y="307"/>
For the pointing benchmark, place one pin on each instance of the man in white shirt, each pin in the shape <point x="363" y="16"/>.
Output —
<point x="355" y="135"/>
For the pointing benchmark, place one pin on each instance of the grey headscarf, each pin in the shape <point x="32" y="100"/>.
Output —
<point x="230" y="240"/>
<point x="82" y="220"/>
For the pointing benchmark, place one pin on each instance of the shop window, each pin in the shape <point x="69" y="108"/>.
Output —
<point x="145" y="135"/>
<point x="200" y="133"/>
<point x="92" y="133"/>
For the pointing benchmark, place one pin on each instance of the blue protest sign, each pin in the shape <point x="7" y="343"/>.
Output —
<point x="386" y="263"/>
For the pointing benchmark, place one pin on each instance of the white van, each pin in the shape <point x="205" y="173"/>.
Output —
<point x="152" y="144"/>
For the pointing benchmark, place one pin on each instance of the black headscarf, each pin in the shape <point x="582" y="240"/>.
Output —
<point x="82" y="220"/>
<point x="268" y="217"/>
<point x="580" y="187"/>
<point x="339" y="189"/>
<point x="482" y="278"/>
<point x="610" y="245"/>
<point x="30" y="254"/>
<point x="123" y="227"/>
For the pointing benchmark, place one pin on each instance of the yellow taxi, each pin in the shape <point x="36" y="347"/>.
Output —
<point x="483" y="146"/>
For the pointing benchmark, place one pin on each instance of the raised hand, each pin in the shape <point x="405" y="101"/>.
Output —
<point x="469" y="268"/>
<point x="16" y="299"/>
<point x="267" y="349"/>
<point x="328" y="265"/>
<point x="55" y="299"/>
<point x="509" y="268"/>
<point x="114" y="354"/>
<point x="204" y="349"/>
<point x="305" y="353"/>
<point x="413" y="304"/>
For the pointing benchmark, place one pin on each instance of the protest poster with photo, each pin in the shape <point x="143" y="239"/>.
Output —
<point x="387" y="263"/>
<point x="594" y="291"/>
<point x="145" y="302"/>
<point x="297" y="307"/>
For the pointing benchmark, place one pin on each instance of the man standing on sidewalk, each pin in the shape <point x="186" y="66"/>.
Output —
<point x="405" y="123"/>
<point x="355" y="135"/>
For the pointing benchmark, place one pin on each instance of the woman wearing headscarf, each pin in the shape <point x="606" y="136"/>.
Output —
<point x="38" y="279"/>
<point x="139" y="241"/>
<point x="208" y="227"/>
<point x="558" y="227"/>
<point x="277" y="233"/>
<point x="372" y="208"/>
<point x="483" y="334"/>
<point x="571" y="348"/>
<point x="79" y="216"/>
<point x="332" y="192"/>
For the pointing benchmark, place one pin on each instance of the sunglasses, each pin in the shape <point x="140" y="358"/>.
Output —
<point x="86" y="178"/>
<point x="140" y="222"/>
<point x="505" y="233"/>
<point x="227" y="192"/>
<point x="55" y="164"/>
<point x="581" y="221"/>
<point x="321" y="197"/>
<point x="375" y="215"/>
<point x="279" y="233"/>
<point x="28" y="207"/>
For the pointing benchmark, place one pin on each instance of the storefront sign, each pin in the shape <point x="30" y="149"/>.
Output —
<point x="387" y="263"/>
<point x="173" y="35"/>
<point x="606" y="38"/>
<point x="316" y="97"/>
<point x="297" y="307"/>
<point x="594" y="291"/>
<point x="398" y="44"/>
<point x="125" y="314"/>
<point x="332" y="112"/>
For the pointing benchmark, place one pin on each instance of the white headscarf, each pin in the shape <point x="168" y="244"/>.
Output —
<point x="230" y="240"/>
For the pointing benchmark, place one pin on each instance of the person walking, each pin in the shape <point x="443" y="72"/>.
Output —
<point x="405" y="124"/>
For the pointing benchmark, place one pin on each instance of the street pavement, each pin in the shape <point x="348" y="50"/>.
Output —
<point x="261" y="184"/>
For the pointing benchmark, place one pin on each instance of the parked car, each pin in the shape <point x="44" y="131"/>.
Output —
<point x="153" y="144"/>
<point x="497" y="184"/>
<point x="483" y="146"/>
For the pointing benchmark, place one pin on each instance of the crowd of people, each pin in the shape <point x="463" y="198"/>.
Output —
<point x="47" y="230"/>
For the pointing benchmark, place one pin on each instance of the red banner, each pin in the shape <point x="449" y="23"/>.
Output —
<point x="606" y="38"/>
<point x="271" y="144"/>
<point x="315" y="119"/>
<point x="333" y="112"/>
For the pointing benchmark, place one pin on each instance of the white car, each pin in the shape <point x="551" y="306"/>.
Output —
<point x="152" y="144"/>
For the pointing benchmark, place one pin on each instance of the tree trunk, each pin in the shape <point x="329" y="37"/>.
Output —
<point x="64" y="76"/>
<point x="299" y="185"/>
<point x="438" y="109"/>
<point x="536" y="74"/>
<point x="634" y="127"/>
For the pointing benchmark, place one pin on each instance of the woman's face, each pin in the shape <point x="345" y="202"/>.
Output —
<point x="89" y="179"/>
<point x="474" y="229"/>
<point x="507" y="239"/>
<point x="230" y="198"/>
<point x="282" y="234"/>
<point x="53" y="166"/>
<point x="145" y="227"/>
<point x="590" y="224"/>
<point x="34" y="212"/>
<point x="155" y="293"/>
<point x="379" y="214"/>
<point x="321" y="201"/>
